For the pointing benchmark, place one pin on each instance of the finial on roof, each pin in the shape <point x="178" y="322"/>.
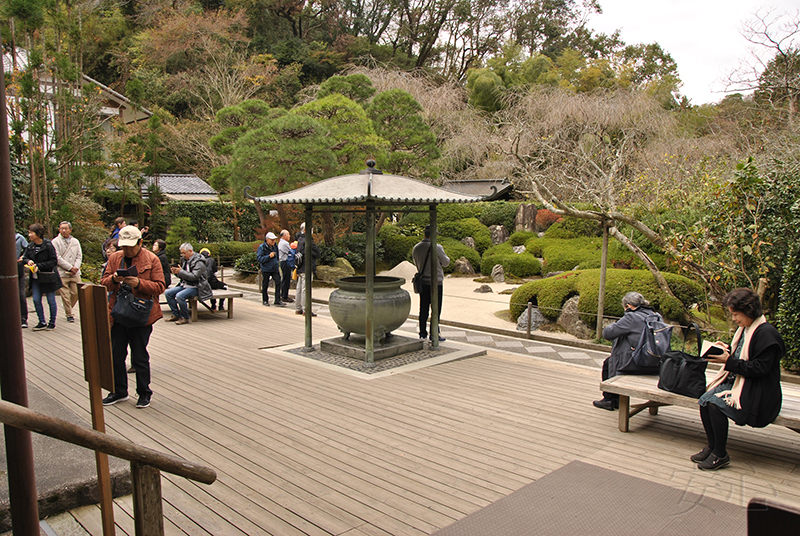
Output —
<point x="371" y="168"/>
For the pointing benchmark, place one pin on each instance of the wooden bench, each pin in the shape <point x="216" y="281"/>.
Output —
<point x="646" y="387"/>
<point x="217" y="295"/>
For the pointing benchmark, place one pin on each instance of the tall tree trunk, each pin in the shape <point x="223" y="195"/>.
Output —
<point x="282" y="216"/>
<point x="644" y="257"/>
<point x="327" y="229"/>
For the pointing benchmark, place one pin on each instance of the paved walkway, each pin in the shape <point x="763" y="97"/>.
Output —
<point x="566" y="352"/>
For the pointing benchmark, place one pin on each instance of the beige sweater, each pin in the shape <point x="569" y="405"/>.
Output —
<point x="69" y="255"/>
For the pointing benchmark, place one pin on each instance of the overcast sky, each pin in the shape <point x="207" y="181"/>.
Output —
<point x="703" y="36"/>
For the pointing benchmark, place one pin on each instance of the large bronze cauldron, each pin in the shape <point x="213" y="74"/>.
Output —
<point x="390" y="305"/>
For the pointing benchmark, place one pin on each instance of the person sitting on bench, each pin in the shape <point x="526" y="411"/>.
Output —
<point x="747" y="389"/>
<point x="625" y="333"/>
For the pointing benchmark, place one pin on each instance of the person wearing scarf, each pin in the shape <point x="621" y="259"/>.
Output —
<point x="747" y="389"/>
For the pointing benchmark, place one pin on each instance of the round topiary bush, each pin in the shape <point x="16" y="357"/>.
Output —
<point x="520" y="237"/>
<point x="551" y="293"/>
<point x="518" y="264"/>
<point x="499" y="213"/>
<point x="247" y="263"/>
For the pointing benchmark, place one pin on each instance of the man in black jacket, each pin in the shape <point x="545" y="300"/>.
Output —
<point x="160" y="249"/>
<point x="301" y="270"/>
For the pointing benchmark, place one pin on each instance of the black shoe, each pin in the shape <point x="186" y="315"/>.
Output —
<point x="113" y="398"/>
<point x="40" y="327"/>
<point x="71" y="319"/>
<point x="280" y="304"/>
<point x="221" y="307"/>
<point x="701" y="456"/>
<point x="714" y="462"/>
<point x="24" y="325"/>
<point x="265" y="304"/>
<point x="603" y="403"/>
<point x="143" y="402"/>
<point x="50" y="327"/>
<point x="287" y="299"/>
<point x="131" y="369"/>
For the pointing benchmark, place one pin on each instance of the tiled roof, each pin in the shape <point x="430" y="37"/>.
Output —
<point x="170" y="183"/>
<point x="379" y="188"/>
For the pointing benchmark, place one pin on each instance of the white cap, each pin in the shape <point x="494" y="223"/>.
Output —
<point x="271" y="235"/>
<point x="129" y="236"/>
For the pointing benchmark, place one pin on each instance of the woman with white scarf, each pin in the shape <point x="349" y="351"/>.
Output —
<point x="747" y="389"/>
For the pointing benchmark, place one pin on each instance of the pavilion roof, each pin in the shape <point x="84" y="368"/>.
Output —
<point x="360" y="188"/>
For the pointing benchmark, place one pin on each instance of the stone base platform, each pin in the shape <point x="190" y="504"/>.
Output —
<point x="355" y="346"/>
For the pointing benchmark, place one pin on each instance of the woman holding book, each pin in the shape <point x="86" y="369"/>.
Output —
<point x="747" y="390"/>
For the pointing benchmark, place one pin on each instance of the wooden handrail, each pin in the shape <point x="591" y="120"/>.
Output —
<point x="27" y="419"/>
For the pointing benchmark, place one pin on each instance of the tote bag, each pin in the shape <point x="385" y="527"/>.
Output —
<point x="682" y="373"/>
<point x="129" y="310"/>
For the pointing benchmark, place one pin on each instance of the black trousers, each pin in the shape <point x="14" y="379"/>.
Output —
<point x="137" y="338"/>
<point x="608" y="396"/>
<point x="23" y="301"/>
<point x="276" y="278"/>
<point x="286" y="279"/>
<point x="424" y="307"/>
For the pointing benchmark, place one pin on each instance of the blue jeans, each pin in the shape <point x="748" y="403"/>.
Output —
<point x="37" y="303"/>
<point x="176" y="299"/>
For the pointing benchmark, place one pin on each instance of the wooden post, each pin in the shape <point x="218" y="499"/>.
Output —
<point x="99" y="372"/>
<point x="148" y="516"/>
<point x="309" y="273"/>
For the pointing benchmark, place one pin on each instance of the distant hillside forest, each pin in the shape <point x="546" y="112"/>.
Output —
<point x="275" y="94"/>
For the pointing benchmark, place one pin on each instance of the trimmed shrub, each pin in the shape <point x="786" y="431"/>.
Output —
<point x="569" y="227"/>
<point x="518" y="264"/>
<point x="584" y="253"/>
<point x="521" y="237"/>
<point x="468" y="227"/>
<point x="551" y="293"/>
<point x="214" y="221"/>
<point x="247" y="263"/>
<point x="499" y="213"/>
<point x="455" y="250"/>
<point x="396" y="246"/>
<point x="458" y="211"/>
<point x="545" y="218"/>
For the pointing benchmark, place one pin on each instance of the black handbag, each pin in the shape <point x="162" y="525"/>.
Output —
<point x="46" y="278"/>
<point x="416" y="281"/>
<point x="682" y="373"/>
<point x="129" y="310"/>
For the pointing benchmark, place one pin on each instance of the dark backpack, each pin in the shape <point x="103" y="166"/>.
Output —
<point x="653" y="343"/>
<point x="291" y="258"/>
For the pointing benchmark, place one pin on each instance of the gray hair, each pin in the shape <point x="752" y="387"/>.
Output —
<point x="303" y="227"/>
<point x="65" y="222"/>
<point x="634" y="299"/>
<point x="284" y="232"/>
<point x="186" y="246"/>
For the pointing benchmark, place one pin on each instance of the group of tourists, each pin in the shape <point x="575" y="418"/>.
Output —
<point x="747" y="388"/>
<point x="282" y="260"/>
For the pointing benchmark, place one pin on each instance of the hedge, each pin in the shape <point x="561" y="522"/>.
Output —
<point x="396" y="246"/>
<point x="499" y="213"/>
<point x="789" y="310"/>
<point x="225" y="251"/>
<point x="551" y="293"/>
<point x="214" y="220"/>
<point x="488" y="213"/>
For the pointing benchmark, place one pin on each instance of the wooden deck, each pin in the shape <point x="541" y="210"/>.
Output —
<point x="300" y="449"/>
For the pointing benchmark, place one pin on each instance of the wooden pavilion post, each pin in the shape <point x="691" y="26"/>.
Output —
<point x="307" y="268"/>
<point x="369" y="342"/>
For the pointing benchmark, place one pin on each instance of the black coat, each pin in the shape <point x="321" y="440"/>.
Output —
<point x="761" y="395"/>
<point x="625" y="333"/>
<point x="45" y="258"/>
<point x="301" y="248"/>
<point x="162" y="256"/>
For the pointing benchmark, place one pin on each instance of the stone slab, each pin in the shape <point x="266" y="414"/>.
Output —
<point x="355" y="348"/>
